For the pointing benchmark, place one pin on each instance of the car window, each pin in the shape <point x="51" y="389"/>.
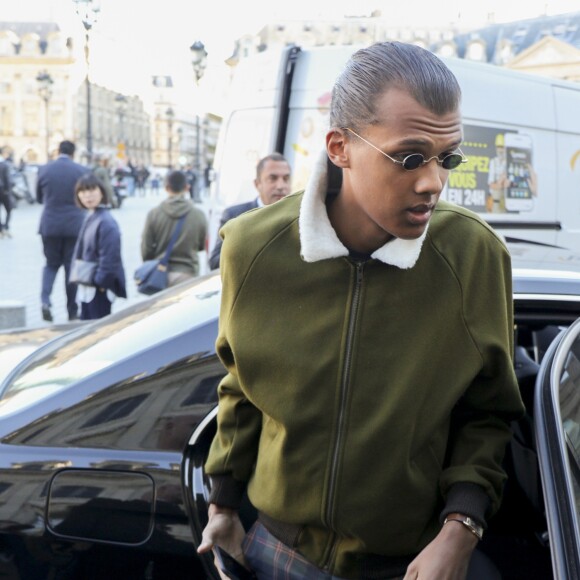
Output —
<point x="152" y="412"/>
<point x="570" y="411"/>
<point x="557" y="421"/>
<point x="97" y="346"/>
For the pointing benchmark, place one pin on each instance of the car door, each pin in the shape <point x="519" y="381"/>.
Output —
<point x="557" y="413"/>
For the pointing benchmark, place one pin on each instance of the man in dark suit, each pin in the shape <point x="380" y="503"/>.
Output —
<point x="272" y="182"/>
<point x="60" y="223"/>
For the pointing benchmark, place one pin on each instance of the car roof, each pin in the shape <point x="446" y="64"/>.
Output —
<point x="543" y="269"/>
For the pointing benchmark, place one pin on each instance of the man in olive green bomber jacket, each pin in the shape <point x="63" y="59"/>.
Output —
<point x="367" y="334"/>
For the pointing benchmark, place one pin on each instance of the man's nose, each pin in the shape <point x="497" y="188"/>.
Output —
<point x="431" y="178"/>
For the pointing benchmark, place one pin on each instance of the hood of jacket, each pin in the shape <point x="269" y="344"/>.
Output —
<point x="176" y="205"/>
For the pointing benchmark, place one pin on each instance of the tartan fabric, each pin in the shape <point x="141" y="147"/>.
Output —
<point x="270" y="559"/>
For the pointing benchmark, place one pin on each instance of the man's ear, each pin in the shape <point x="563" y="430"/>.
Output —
<point x="336" y="142"/>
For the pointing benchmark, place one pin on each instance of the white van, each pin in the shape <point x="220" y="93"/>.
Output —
<point x="521" y="136"/>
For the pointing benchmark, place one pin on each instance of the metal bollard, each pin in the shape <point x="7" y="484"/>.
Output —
<point x="12" y="314"/>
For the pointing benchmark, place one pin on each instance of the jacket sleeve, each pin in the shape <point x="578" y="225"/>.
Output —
<point x="214" y="260"/>
<point x="108" y="255"/>
<point x="147" y="239"/>
<point x="39" y="182"/>
<point x="202" y="232"/>
<point x="6" y="178"/>
<point x="235" y="446"/>
<point x="480" y="428"/>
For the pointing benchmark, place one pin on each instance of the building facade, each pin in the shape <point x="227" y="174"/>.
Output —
<point x="29" y="125"/>
<point x="547" y="45"/>
<point x="43" y="100"/>
<point x="120" y="126"/>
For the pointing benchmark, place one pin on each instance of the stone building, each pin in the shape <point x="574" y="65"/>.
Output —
<point x="43" y="99"/>
<point x="120" y="126"/>
<point x="27" y="49"/>
<point x="180" y="138"/>
<point x="547" y="45"/>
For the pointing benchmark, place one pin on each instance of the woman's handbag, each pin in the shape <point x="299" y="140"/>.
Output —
<point x="82" y="272"/>
<point x="151" y="276"/>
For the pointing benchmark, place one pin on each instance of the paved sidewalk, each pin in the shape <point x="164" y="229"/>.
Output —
<point x="21" y="259"/>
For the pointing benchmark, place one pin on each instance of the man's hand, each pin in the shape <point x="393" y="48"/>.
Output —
<point x="224" y="529"/>
<point x="447" y="556"/>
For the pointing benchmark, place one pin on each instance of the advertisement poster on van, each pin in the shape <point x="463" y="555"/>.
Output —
<point x="499" y="177"/>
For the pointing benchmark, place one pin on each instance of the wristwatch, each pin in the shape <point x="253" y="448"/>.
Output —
<point x="469" y="523"/>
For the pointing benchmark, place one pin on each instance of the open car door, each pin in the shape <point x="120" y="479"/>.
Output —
<point x="557" y="413"/>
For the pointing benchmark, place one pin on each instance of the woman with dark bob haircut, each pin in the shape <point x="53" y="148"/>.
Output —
<point x="98" y="250"/>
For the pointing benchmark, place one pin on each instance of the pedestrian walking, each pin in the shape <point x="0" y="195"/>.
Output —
<point x="141" y="177"/>
<point x="6" y="200"/>
<point x="60" y="223"/>
<point x="367" y="331"/>
<point x="155" y="183"/>
<point x="103" y="173"/>
<point x="159" y="226"/>
<point x="98" y="244"/>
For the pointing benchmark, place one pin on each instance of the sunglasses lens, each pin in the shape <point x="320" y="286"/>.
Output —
<point x="452" y="161"/>
<point x="413" y="161"/>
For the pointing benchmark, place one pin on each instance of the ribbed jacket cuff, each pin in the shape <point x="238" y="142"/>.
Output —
<point x="469" y="499"/>
<point x="226" y="491"/>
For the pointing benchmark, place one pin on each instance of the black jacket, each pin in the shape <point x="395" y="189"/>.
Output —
<point x="228" y="214"/>
<point x="55" y="189"/>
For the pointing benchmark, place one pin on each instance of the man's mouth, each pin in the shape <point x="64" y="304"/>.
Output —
<point x="421" y="214"/>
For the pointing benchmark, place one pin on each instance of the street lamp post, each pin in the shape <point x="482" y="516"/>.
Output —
<point x="88" y="11"/>
<point x="179" y="141"/>
<point x="121" y="101"/>
<point x="170" y="114"/>
<point x="45" y="91"/>
<point x="199" y="63"/>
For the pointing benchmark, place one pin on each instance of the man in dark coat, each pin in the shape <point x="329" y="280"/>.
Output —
<point x="60" y="223"/>
<point x="272" y="182"/>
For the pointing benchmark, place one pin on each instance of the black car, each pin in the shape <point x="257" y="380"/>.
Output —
<point x="104" y="431"/>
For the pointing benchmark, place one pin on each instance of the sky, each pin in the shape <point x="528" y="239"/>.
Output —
<point x="135" y="39"/>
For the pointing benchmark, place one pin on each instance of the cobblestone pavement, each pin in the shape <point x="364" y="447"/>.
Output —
<point x="22" y="260"/>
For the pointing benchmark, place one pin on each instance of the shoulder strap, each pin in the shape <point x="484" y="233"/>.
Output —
<point x="174" y="236"/>
<point x="80" y="240"/>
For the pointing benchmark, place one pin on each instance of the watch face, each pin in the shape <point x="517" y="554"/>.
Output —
<point x="473" y="527"/>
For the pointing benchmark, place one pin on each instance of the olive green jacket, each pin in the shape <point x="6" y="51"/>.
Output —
<point x="359" y="395"/>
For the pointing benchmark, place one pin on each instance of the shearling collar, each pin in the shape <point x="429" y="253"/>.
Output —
<point x="318" y="240"/>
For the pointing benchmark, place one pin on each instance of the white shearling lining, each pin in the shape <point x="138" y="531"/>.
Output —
<point x="318" y="240"/>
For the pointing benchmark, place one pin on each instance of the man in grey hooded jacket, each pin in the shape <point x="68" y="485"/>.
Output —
<point x="162" y="220"/>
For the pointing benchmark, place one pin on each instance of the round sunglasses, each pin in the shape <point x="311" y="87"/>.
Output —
<point x="416" y="160"/>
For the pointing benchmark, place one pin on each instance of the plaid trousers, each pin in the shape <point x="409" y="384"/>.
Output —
<point x="270" y="559"/>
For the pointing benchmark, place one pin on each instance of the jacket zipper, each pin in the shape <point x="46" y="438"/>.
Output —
<point x="344" y="384"/>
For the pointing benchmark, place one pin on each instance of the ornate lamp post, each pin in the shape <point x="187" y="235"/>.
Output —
<point x="170" y="114"/>
<point x="198" y="63"/>
<point x="45" y="91"/>
<point x="88" y="11"/>
<point x="122" y="102"/>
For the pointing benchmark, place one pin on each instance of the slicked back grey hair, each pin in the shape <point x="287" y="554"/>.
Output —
<point x="372" y="70"/>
